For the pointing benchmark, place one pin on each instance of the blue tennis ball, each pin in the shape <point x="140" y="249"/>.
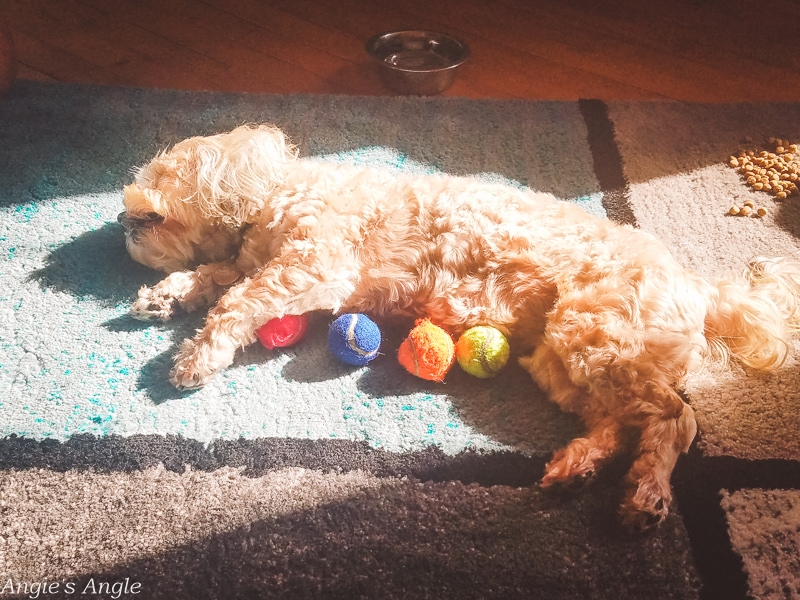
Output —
<point x="354" y="339"/>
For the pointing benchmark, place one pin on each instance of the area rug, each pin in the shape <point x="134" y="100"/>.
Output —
<point x="293" y="475"/>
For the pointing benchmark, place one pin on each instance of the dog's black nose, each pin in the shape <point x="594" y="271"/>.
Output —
<point x="122" y="219"/>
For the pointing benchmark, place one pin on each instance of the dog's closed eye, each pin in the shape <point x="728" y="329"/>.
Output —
<point x="129" y="221"/>
<point x="152" y="217"/>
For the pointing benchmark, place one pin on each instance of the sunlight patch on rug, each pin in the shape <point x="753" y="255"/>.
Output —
<point x="73" y="362"/>
<point x="394" y="160"/>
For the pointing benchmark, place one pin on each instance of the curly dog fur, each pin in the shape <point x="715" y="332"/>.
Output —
<point x="606" y="321"/>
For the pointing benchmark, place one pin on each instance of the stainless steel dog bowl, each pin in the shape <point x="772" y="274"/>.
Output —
<point x="417" y="62"/>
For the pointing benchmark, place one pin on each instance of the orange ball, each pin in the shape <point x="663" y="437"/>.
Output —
<point x="428" y="351"/>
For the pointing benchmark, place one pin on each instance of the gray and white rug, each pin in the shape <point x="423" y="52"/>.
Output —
<point x="293" y="475"/>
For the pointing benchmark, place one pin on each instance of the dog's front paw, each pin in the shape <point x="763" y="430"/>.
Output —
<point x="186" y="378"/>
<point x="153" y="305"/>
<point x="195" y="364"/>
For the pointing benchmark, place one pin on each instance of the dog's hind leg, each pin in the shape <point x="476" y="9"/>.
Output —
<point x="291" y="284"/>
<point x="628" y="372"/>
<point x="664" y="436"/>
<point x="579" y="461"/>
<point x="584" y="456"/>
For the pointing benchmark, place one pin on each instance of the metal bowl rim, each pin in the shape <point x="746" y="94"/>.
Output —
<point x="373" y="43"/>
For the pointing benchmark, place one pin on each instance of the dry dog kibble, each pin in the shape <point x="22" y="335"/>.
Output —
<point x="774" y="169"/>
<point x="747" y="209"/>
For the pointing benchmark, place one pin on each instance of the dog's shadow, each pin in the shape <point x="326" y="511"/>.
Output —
<point x="509" y="408"/>
<point x="153" y="376"/>
<point x="154" y="379"/>
<point x="96" y="265"/>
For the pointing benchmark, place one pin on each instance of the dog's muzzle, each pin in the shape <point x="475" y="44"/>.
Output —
<point x="125" y="221"/>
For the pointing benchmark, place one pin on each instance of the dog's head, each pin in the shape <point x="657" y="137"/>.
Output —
<point x="189" y="205"/>
<point x="172" y="237"/>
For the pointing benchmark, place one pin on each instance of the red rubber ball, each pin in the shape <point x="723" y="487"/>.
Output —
<point x="283" y="332"/>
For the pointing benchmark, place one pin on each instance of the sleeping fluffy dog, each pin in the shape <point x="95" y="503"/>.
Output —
<point x="602" y="316"/>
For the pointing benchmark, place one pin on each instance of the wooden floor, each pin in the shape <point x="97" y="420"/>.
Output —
<point x="691" y="50"/>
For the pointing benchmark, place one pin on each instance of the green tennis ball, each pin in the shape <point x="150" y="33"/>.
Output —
<point x="482" y="351"/>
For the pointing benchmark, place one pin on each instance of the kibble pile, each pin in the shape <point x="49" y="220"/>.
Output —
<point x="775" y="172"/>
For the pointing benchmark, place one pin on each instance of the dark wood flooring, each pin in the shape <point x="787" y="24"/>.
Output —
<point x="692" y="50"/>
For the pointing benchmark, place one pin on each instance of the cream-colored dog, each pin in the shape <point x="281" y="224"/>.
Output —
<point x="607" y="322"/>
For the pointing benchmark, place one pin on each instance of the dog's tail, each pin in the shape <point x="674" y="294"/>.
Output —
<point x="754" y="315"/>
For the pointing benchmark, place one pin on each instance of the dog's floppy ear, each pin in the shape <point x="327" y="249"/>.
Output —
<point x="236" y="172"/>
<point x="140" y="201"/>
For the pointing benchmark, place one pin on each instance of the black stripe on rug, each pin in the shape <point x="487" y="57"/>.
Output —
<point x="607" y="161"/>
<point x="115" y="453"/>
<point x="698" y="481"/>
